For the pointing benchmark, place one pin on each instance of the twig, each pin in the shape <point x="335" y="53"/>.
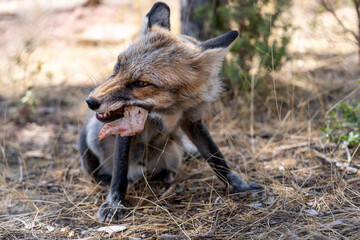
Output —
<point x="354" y="153"/>
<point x="254" y="70"/>
<point x="297" y="187"/>
<point x="349" y="230"/>
<point x="338" y="211"/>
<point x="335" y="162"/>
<point x="282" y="148"/>
<point x="342" y="100"/>
<point x="353" y="180"/>
<point x="168" y="192"/>
<point x="345" y="29"/>
<point x="337" y="147"/>
<point x="168" y="236"/>
<point x="348" y="154"/>
<point x="326" y="147"/>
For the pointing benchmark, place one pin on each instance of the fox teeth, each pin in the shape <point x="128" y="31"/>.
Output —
<point x="106" y="114"/>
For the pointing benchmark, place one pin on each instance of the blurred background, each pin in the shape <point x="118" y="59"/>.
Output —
<point x="288" y="118"/>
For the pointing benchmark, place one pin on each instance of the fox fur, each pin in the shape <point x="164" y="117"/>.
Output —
<point x="175" y="77"/>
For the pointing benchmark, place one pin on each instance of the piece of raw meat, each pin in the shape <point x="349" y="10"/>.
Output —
<point x="132" y="123"/>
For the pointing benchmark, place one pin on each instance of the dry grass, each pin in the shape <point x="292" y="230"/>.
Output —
<point x="44" y="195"/>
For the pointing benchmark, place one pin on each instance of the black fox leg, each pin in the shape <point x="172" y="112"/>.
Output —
<point x="200" y="136"/>
<point x="113" y="207"/>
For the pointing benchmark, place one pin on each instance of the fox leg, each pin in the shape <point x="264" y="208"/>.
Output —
<point x="113" y="207"/>
<point x="200" y="136"/>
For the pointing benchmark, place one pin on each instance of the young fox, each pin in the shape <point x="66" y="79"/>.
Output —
<point x="160" y="87"/>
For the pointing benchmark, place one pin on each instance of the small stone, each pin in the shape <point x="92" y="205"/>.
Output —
<point x="270" y="201"/>
<point x="49" y="228"/>
<point x="255" y="205"/>
<point x="312" y="212"/>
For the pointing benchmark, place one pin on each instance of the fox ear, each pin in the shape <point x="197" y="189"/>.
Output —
<point x="209" y="61"/>
<point x="159" y="15"/>
<point x="214" y="50"/>
<point x="222" y="41"/>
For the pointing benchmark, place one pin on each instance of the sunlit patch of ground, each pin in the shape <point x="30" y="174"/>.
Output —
<point x="58" y="56"/>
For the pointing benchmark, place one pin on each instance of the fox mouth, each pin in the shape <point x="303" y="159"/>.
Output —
<point x="110" y="116"/>
<point x="126" y="121"/>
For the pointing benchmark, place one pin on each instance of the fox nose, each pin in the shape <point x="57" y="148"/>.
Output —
<point x="92" y="103"/>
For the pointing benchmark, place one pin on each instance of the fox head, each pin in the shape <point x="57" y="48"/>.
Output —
<point x="162" y="71"/>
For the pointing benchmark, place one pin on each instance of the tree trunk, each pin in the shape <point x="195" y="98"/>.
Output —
<point x="357" y="8"/>
<point x="190" y="25"/>
<point x="90" y="3"/>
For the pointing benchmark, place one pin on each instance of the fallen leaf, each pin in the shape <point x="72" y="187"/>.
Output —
<point x="112" y="229"/>
<point x="64" y="229"/>
<point x="71" y="234"/>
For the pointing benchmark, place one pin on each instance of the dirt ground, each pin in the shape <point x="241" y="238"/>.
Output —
<point x="52" y="57"/>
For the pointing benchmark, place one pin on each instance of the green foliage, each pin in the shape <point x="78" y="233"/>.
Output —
<point x="29" y="99"/>
<point x="343" y="124"/>
<point x="263" y="34"/>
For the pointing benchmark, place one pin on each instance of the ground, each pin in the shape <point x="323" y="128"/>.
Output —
<point x="53" y="56"/>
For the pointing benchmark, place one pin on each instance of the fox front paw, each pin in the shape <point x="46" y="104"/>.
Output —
<point x="111" y="210"/>
<point x="238" y="185"/>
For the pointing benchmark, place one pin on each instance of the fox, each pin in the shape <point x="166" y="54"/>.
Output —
<point x="156" y="96"/>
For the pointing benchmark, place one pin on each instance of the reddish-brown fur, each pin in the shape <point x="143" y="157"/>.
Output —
<point x="175" y="77"/>
<point x="178" y="71"/>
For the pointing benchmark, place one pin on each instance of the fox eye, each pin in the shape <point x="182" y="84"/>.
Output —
<point x="141" y="84"/>
<point x="116" y="68"/>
